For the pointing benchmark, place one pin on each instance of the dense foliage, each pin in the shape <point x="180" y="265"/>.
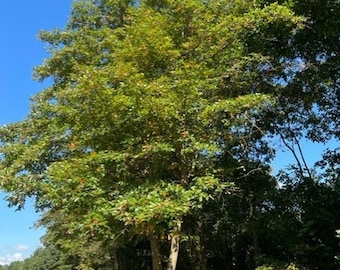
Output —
<point x="152" y="146"/>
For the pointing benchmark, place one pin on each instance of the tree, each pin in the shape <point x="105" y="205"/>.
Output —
<point x="156" y="108"/>
<point x="308" y="79"/>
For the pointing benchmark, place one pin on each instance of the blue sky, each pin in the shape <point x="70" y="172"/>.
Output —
<point x="20" y="22"/>
<point x="20" y="51"/>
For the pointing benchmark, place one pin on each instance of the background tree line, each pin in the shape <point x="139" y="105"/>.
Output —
<point x="152" y="146"/>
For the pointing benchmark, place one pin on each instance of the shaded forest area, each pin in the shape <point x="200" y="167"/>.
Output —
<point x="152" y="148"/>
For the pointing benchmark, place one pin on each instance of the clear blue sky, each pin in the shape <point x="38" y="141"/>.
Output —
<point x="20" y="49"/>
<point x="20" y="22"/>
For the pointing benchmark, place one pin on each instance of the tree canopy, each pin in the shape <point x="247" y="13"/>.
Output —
<point x="156" y="133"/>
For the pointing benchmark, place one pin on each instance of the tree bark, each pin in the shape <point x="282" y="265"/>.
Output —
<point x="253" y="232"/>
<point x="155" y="252"/>
<point x="115" y="260"/>
<point x="202" y="247"/>
<point x="174" y="248"/>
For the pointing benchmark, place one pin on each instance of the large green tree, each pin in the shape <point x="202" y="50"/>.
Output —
<point x="157" y="111"/>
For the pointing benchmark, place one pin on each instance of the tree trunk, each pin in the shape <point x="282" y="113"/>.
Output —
<point x="155" y="252"/>
<point x="256" y="251"/>
<point x="174" y="248"/>
<point x="202" y="247"/>
<point x="256" y="247"/>
<point x="115" y="260"/>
